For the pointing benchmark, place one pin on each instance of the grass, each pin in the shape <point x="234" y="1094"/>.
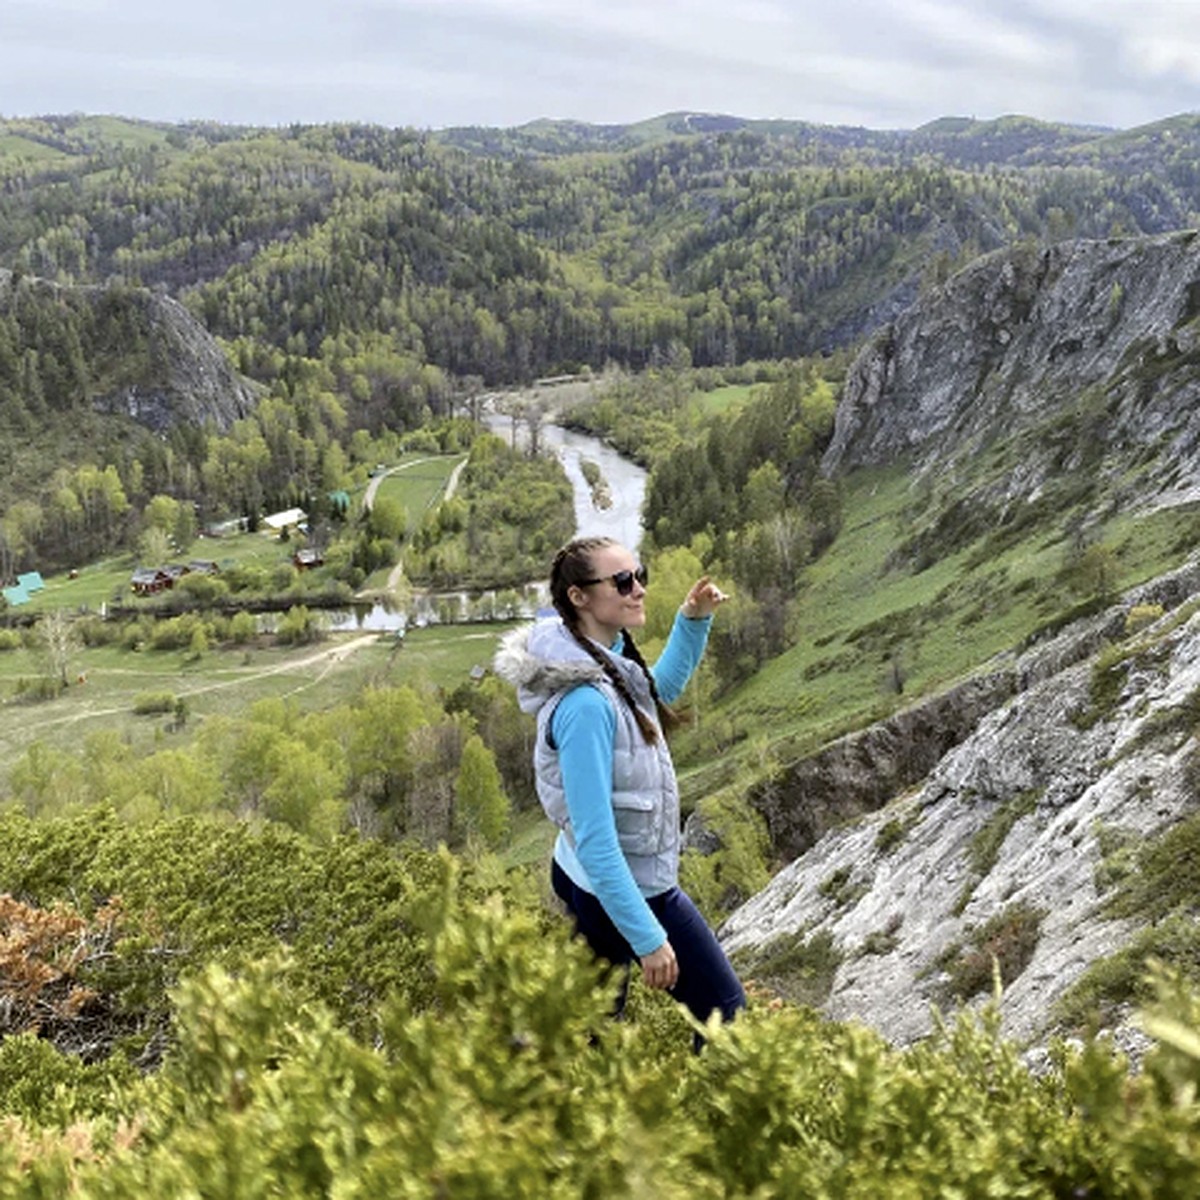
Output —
<point x="1121" y="979"/>
<point x="859" y="614"/>
<point x="417" y="483"/>
<point x="15" y="146"/>
<point x="107" y="581"/>
<point x="721" y="400"/>
<point x="796" y="967"/>
<point x="224" y="681"/>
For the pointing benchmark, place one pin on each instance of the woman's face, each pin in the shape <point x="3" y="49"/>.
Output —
<point x="603" y="611"/>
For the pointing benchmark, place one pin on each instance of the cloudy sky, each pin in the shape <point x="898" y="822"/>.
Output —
<point x="432" y="63"/>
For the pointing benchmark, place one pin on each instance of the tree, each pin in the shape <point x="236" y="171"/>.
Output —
<point x="161" y="512"/>
<point x="59" y="642"/>
<point x="153" y="547"/>
<point x="483" y="808"/>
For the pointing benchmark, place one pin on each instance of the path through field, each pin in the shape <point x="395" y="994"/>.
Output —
<point x="328" y="658"/>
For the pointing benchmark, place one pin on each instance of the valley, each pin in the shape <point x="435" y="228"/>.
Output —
<point x="923" y="403"/>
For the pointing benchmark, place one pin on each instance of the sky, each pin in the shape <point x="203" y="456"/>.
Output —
<point x="883" y="64"/>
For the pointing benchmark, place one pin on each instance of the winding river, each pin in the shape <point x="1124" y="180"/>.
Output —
<point x="621" y="518"/>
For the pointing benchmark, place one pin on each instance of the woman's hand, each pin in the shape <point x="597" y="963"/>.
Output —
<point x="703" y="599"/>
<point x="659" y="968"/>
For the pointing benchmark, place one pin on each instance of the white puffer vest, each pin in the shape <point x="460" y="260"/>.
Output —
<point x="545" y="662"/>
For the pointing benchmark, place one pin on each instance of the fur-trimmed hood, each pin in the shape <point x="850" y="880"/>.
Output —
<point x="542" y="659"/>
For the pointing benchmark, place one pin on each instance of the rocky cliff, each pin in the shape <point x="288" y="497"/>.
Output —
<point x="1022" y="815"/>
<point x="1090" y="346"/>
<point x="121" y="350"/>
<point x="192" y="382"/>
<point x="1020" y="819"/>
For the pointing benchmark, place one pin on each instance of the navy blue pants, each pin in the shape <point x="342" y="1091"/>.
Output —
<point x="706" y="983"/>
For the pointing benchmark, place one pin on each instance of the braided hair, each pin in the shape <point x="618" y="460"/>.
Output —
<point x="572" y="565"/>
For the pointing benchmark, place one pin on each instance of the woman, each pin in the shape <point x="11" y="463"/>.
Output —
<point x="604" y="774"/>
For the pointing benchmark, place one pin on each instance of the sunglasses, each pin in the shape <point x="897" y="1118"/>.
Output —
<point x="623" y="580"/>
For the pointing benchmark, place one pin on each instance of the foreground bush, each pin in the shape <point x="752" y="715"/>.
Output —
<point x="501" y="1075"/>
<point x="193" y="891"/>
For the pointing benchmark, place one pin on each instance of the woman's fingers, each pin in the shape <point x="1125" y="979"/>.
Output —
<point x="660" y="968"/>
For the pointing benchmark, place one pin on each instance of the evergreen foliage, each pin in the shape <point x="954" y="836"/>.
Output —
<point x="344" y="1022"/>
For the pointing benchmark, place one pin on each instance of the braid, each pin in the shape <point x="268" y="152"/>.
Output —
<point x="571" y="565"/>
<point x="647" y="726"/>
<point x="668" y="718"/>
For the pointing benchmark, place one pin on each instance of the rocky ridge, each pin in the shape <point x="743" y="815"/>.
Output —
<point x="198" y="385"/>
<point x="170" y="371"/>
<point x="908" y="888"/>
<point x="1090" y="346"/>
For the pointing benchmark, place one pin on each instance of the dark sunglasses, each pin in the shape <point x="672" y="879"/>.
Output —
<point x="622" y="580"/>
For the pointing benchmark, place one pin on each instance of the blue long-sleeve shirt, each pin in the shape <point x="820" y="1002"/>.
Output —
<point x="584" y="730"/>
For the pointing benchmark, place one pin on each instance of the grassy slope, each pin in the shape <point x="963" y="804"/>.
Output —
<point x="855" y="613"/>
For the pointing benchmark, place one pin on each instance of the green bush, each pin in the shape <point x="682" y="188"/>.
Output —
<point x="794" y="966"/>
<point x="299" y="627"/>
<point x="34" y="689"/>
<point x="1003" y="945"/>
<point x="719" y="882"/>
<point x="489" y="1067"/>
<point x="150" y="703"/>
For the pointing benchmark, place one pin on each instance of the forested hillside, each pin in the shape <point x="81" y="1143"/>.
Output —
<point x="738" y="241"/>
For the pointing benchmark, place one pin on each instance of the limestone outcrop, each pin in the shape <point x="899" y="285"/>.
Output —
<point x="1055" y="777"/>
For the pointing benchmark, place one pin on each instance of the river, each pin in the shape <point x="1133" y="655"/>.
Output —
<point x="625" y="479"/>
<point x="625" y="484"/>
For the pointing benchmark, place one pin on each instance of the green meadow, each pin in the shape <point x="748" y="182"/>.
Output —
<point x="873" y="634"/>
<point x="106" y="682"/>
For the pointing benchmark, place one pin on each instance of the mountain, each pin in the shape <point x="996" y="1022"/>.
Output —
<point x="1010" y="139"/>
<point x="1042" y="809"/>
<point x="118" y="351"/>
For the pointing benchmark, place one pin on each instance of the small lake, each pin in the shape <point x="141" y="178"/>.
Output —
<point x="622" y="519"/>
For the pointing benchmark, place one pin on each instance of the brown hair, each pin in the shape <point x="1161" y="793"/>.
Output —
<point x="572" y="566"/>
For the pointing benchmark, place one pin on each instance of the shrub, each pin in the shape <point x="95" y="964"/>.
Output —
<point x="10" y="639"/>
<point x="1005" y="944"/>
<point x="1141" y="615"/>
<point x="202" y="590"/>
<point x="147" y="704"/>
<point x="1167" y="880"/>
<point x="300" y="626"/>
<point x="501" y="1075"/>
<point x="892" y="834"/>
<point x="37" y="688"/>
<point x="794" y="966"/>
<point x="719" y="882"/>
<point x="174" y="633"/>
<point x="242" y="628"/>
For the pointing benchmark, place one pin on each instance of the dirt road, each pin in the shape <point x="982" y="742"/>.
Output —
<point x="330" y="656"/>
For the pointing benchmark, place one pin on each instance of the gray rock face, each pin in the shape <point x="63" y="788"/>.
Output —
<point x="194" y="383"/>
<point x="911" y="888"/>
<point x="863" y="770"/>
<point x="1021" y="332"/>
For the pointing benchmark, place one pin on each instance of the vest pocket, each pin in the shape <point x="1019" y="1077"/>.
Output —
<point x="639" y="822"/>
